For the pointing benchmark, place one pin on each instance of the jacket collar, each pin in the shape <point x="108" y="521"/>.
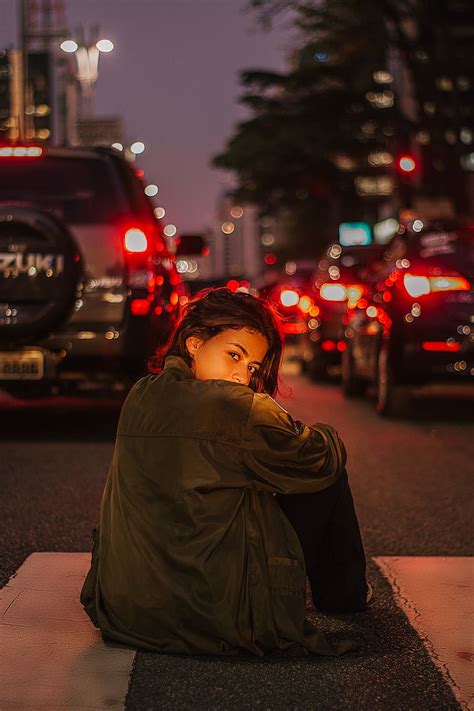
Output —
<point x="180" y="364"/>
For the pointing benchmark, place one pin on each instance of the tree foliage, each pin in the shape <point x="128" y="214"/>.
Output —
<point x="311" y="128"/>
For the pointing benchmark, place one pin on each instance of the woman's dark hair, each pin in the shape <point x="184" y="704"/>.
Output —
<point x="216" y="309"/>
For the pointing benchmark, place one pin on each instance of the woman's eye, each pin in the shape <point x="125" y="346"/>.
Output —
<point x="234" y="354"/>
<point x="253" y="369"/>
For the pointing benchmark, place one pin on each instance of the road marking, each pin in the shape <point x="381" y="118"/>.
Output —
<point x="437" y="596"/>
<point x="52" y="657"/>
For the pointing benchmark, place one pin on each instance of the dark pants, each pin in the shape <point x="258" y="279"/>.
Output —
<point x="327" y="526"/>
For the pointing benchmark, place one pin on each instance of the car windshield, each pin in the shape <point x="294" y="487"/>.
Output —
<point x="77" y="190"/>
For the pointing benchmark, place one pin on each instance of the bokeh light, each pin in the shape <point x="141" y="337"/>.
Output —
<point x="227" y="228"/>
<point x="137" y="147"/>
<point x="69" y="46"/>
<point x="151" y="190"/>
<point x="170" y="230"/>
<point x="105" y="45"/>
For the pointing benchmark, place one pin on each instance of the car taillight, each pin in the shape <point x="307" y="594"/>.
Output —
<point x="354" y="293"/>
<point x="421" y="285"/>
<point x="135" y="240"/>
<point x="445" y="346"/>
<point x="20" y="151"/>
<point x="449" y="283"/>
<point x="140" y="307"/>
<point x="289" y="297"/>
<point x="333" y="292"/>
<point x="294" y="328"/>
<point x="305" y="304"/>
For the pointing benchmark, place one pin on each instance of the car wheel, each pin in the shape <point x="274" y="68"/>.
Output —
<point x="40" y="273"/>
<point x="352" y="386"/>
<point x="392" y="400"/>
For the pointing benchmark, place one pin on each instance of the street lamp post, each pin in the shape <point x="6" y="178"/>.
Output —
<point x="87" y="60"/>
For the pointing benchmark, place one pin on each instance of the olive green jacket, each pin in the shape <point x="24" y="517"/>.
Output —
<point x="193" y="554"/>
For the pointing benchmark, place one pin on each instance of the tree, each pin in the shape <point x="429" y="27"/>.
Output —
<point x="322" y="139"/>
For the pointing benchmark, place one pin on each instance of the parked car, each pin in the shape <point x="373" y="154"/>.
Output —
<point x="87" y="286"/>
<point x="414" y="325"/>
<point x="336" y="283"/>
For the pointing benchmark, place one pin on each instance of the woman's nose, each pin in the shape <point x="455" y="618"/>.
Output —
<point x="240" y="376"/>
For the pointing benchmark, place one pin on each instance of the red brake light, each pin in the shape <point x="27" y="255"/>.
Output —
<point x="135" y="240"/>
<point x="449" y="283"/>
<point x="406" y="164"/>
<point x="421" y="285"/>
<point x="305" y="304"/>
<point x="233" y="284"/>
<point x="20" y="151"/>
<point x="289" y="297"/>
<point x="140" y="307"/>
<point x="445" y="346"/>
<point x="333" y="292"/>
<point x="354" y="294"/>
<point x="294" y="328"/>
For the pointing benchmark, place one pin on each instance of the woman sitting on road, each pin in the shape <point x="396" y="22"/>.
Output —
<point x="216" y="498"/>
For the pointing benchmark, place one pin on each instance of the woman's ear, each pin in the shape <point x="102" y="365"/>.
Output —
<point x="193" y="344"/>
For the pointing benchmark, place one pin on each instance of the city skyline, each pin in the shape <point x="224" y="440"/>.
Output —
<point x="181" y="101"/>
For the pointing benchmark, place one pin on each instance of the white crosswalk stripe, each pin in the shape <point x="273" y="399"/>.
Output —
<point x="437" y="595"/>
<point x="55" y="659"/>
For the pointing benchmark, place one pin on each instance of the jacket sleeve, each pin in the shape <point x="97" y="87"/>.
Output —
<point x="285" y="456"/>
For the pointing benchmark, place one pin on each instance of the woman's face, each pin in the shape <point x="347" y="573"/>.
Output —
<point x="234" y="355"/>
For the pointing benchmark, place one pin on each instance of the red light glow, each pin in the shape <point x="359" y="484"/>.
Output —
<point x="298" y="327"/>
<point x="406" y="164"/>
<point x="422" y="285"/>
<point x="270" y="258"/>
<point x="140" y="307"/>
<point x="289" y="297"/>
<point x="305" y="304"/>
<point x="328" y="345"/>
<point x="135" y="240"/>
<point x="333" y="292"/>
<point x="446" y="346"/>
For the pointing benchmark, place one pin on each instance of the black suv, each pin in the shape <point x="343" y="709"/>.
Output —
<point x="88" y="288"/>
<point x="415" y="325"/>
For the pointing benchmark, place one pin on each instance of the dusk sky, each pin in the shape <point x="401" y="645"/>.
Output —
<point x="174" y="78"/>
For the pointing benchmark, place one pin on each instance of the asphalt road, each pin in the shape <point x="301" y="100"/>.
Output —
<point x="411" y="481"/>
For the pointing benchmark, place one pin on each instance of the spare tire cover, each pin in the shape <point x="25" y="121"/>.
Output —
<point x="40" y="273"/>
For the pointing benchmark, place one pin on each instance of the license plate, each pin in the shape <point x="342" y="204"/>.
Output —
<point x="22" y="365"/>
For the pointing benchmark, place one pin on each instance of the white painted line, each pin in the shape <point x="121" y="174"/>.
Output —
<point x="52" y="656"/>
<point x="437" y="596"/>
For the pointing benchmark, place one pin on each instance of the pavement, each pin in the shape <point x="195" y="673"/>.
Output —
<point x="415" y="641"/>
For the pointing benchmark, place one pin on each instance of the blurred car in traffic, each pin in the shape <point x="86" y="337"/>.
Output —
<point x="87" y="286"/>
<point x="414" y="325"/>
<point x="337" y="283"/>
<point x="288" y="291"/>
